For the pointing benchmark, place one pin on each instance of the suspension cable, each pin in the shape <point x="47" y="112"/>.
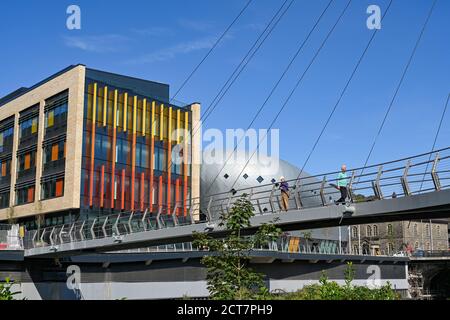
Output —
<point x="293" y="90"/>
<point x="291" y="62"/>
<point x="400" y="82"/>
<point x="212" y="49"/>
<point x="344" y="90"/>
<point x="277" y="17"/>
<point x="435" y="140"/>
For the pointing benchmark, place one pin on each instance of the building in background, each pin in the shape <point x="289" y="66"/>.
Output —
<point x="88" y="142"/>
<point x="394" y="237"/>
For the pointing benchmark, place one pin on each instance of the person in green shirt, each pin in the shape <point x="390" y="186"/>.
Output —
<point x="342" y="183"/>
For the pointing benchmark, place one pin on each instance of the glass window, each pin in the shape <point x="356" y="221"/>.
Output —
<point x="53" y="189"/>
<point x="27" y="161"/>
<point x="4" y="200"/>
<point x="25" y="195"/>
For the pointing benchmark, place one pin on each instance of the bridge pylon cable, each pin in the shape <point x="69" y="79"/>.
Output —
<point x="405" y="71"/>
<point x="276" y="18"/>
<point x="344" y="90"/>
<point x="274" y="88"/>
<point x="294" y="89"/>
<point x="211" y="50"/>
<point x="435" y="139"/>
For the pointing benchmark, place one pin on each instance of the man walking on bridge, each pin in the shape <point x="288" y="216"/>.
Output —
<point x="342" y="184"/>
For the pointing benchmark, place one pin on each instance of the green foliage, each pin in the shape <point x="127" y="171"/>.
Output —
<point x="330" y="290"/>
<point x="5" y="290"/>
<point x="229" y="276"/>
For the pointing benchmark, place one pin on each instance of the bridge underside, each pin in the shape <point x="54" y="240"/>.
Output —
<point x="423" y="206"/>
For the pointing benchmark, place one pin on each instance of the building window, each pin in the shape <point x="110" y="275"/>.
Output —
<point x="25" y="195"/>
<point x="27" y="161"/>
<point x="4" y="200"/>
<point x="369" y="231"/>
<point x="56" y="117"/>
<point x="438" y="230"/>
<point x="416" y="245"/>
<point x="390" y="248"/>
<point x="427" y="246"/>
<point x="390" y="229"/>
<point x="427" y="229"/>
<point x="355" y="249"/>
<point x="54" y="152"/>
<point x="375" y="230"/>
<point x="6" y="139"/>
<point x="53" y="189"/>
<point x="5" y="167"/>
<point x="415" y="230"/>
<point x="355" y="232"/>
<point x="28" y="128"/>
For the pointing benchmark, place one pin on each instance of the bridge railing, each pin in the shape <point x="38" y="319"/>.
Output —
<point x="409" y="176"/>
<point x="405" y="177"/>
<point x="290" y="244"/>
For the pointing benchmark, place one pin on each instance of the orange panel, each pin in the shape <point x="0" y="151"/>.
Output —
<point x="54" y="152"/>
<point x="3" y="169"/>
<point x="27" y="161"/>
<point x="30" y="196"/>
<point x="59" y="187"/>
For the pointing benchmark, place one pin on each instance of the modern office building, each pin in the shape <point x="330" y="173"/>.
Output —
<point x="88" y="142"/>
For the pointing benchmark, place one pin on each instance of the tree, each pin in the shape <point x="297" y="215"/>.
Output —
<point x="6" y="290"/>
<point x="228" y="273"/>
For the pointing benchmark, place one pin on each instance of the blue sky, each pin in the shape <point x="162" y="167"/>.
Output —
<point x="164" y="40"/>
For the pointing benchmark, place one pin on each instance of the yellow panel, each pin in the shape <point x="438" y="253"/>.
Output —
<point x="161" y="122"/>
<point x="144" y="106"/>
<point x="153" y="119"/>
<point x="94" y="104"/>
<point x="105" y="104"/>
<point x="134" y="114"/>
<point x="178" y="125"/>
<point x="125" y="104"/>
<point x="34" y="123"/>
<point x="115" y="109"/>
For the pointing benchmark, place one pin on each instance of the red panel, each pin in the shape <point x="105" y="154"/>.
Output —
<point x="169" y="175"/>
<point x="185" y="186"/>
<point x="122" y="198"/>
<point x="142" y="191"/>
<point x="152" y="156"/>
<point x="133" y="169"/>
<point x="102" y="186"/>
<point x="177" y="195"/>
<point x="160" y="193"/>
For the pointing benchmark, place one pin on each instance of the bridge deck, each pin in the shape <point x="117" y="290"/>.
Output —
<point x="427" y="205"/>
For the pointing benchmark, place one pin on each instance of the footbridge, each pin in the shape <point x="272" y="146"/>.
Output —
<point x="416" y="187"/>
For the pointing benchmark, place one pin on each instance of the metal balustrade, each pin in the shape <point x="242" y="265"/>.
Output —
<point x="281" y="245"/>
<point x="400" y="178"/>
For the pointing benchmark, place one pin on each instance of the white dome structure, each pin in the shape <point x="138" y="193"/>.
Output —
<point x="260" y="174"/>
